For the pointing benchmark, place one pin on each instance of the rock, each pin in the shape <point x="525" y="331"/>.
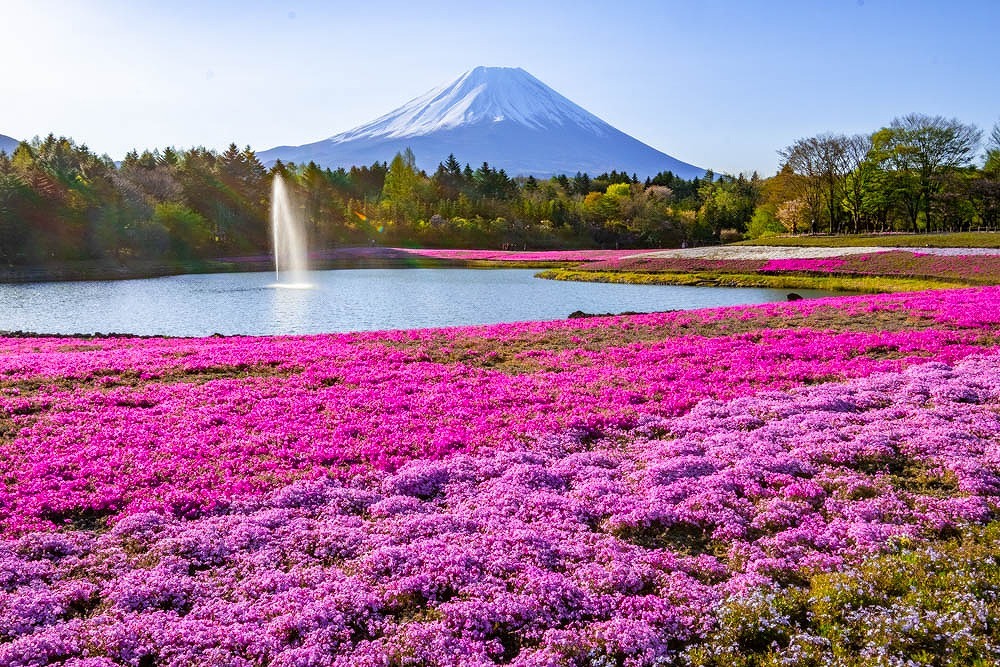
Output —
<point x="577" y="314"/>
<point x="792" y="296"/>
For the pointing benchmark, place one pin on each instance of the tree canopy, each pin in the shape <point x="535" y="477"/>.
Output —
<point x="61" y="202"/>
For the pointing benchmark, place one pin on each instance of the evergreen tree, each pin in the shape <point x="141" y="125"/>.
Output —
<point x="452" y="166"/>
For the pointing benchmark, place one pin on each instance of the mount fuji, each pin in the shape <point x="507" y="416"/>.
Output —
<point x="499" y="115"/>
<point x="8" y="144"/>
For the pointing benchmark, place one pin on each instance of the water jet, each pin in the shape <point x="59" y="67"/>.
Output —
<point x="290" y="264"/>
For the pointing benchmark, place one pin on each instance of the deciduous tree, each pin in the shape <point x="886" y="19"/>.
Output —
<point x="926" y="148"/>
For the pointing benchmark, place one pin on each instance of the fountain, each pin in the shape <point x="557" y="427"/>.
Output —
<point x="290" y="264"/>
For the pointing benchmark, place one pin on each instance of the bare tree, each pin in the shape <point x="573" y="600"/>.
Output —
<point x="992" y="165"/>
<point x="833" y="158"/>
<point x="801" y="158"/>
<point x="822" y="164"/>
<point x="858" y="165"/>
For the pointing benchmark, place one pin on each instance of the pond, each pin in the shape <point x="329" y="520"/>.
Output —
<point x="342" y="300"/>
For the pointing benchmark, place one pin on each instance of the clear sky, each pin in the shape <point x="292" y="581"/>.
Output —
<point x="717" y="84"/>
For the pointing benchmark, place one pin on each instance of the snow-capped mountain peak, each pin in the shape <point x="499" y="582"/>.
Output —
<point x="481" y="95"/>
<point x="500" y="115"/>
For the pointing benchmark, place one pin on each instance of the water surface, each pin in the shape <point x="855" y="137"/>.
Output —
<point x="343" y="300"/>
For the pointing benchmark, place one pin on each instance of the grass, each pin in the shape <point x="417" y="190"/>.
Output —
<point x="935" y="604"/>
<point x="865" y="284"/>
<point x="937" y="240"/>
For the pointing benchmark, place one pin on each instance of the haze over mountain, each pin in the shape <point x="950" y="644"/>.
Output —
<point x="500" y="115"/>
<point x="8" y="144"/>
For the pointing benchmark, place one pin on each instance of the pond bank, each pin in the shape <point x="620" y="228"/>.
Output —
<point x="104" y="270"/>
<point x="861" y="269"/>
<point x="355" y="257"/>
<point x="866" y="285"/>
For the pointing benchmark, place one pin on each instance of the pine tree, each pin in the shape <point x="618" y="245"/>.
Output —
<point x="452" y="166"/>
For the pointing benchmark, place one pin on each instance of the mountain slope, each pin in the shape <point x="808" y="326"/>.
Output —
<point x="8" y="144"/>
<point x="500" y="115"/>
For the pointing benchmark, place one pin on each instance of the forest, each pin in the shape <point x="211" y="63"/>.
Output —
<point x="60" y="201"/>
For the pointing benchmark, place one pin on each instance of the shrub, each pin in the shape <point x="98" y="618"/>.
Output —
<point x="730" y="235"/>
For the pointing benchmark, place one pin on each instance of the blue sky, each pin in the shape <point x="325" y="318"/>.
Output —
<point x="717" y="84"/>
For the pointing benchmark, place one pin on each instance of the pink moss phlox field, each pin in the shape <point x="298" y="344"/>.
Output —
<point x="378" y="254"/>
<point x="817" y="265"/>
<point x="570" y="550"/>
<point x="333" y="405"/>
<point x="973" y="268"/>
<point x="521" y="256"/>
<point x="388" y="499"/>
<point x="676" y="264"/>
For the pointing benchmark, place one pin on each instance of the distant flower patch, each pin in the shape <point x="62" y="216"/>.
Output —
<point x="522" y="256"/>
<point x="973" y="268"/>
<point x="828" y="265"/>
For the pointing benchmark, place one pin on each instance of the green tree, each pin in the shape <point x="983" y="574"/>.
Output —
<point x="449" y="179"/>
<point x="764" y="223"/>
<point x="399" y="193"/>
<point x="15" y="196"/>
<point x="728" y="203"/>
<point x="190" y="233"/>
<point x="927" y="148"/>
<point x="581" y="184"/>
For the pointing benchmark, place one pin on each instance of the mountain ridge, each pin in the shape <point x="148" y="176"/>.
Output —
<point x="8" y="144"/>
<point x="501" y="115"/>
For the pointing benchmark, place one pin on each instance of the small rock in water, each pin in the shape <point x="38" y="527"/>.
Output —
<point x="792" y="296"/>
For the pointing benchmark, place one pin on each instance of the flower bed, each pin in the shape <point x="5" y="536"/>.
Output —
<point x="677" y="264"/>
<point x="576" y="492"/>
<point x="972" y="268"/>
<point x="520" y="256"/>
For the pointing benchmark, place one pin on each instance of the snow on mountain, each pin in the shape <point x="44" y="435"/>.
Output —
<point x="500" y="115"/>
<point x="481" y="96"/>
<point x="8" y="144"/>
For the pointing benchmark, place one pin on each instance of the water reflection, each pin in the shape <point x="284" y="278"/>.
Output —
<point x="291" y="307"/>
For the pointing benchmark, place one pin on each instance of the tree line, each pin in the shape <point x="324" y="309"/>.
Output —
<point x="916" y="175"/>
<point x="59" y="201"/>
